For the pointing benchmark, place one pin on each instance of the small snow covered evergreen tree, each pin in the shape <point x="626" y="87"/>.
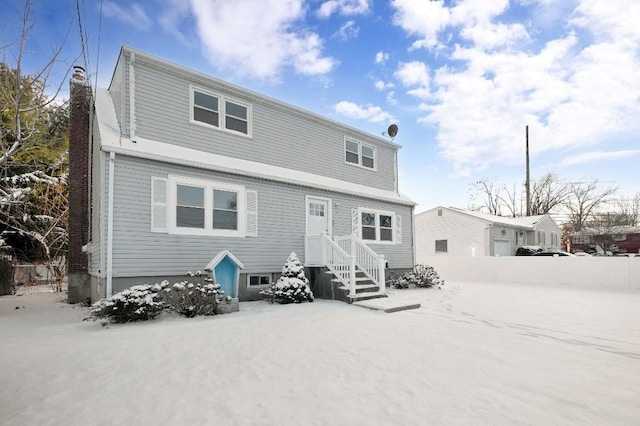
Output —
<point x="293" y="285"/>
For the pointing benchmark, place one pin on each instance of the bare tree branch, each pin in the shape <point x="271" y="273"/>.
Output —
<point x="584" y="199"/>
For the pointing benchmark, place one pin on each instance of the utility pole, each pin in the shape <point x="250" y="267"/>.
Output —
<point x="527" y="183"/>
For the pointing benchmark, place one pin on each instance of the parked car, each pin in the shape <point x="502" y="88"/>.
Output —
<point x="528" y="250"/>
<point x="582" y="253"/>
<point x="554" y="253"/>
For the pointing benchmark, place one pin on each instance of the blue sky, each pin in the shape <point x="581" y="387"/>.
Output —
<point x="461" y="78"/>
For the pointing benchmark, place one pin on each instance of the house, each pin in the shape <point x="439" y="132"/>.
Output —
<point x="183" y="166"/>
<point x="460" y="232"/>
<point x="617" y="239"/>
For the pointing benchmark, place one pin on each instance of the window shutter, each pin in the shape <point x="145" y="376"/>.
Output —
<point x="252" y="214"/>
<point x="158" y="204"/>
<point x="398" y="229"/>
<point x="355" y="223"/>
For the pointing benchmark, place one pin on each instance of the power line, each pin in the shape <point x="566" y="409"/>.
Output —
<point x="95" y="87"/>
<point x="82" y="38"/>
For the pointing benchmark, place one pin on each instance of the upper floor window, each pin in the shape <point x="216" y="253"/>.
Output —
<point x="206" y="108"/>
<point x="359" y="153"/>
<point x="217" y="111"/>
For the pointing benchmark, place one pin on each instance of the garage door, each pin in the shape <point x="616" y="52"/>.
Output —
<point x="501" y="248"/>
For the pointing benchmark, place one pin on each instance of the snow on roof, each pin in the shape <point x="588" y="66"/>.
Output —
<point x="112" y="141"/>
<point x="521" y="222"/>
<point x="529" y="220"/>
<point x="609" y="230"/>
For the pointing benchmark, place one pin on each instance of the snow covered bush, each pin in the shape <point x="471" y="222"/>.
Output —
<point x="193" y="298"/>
<point x="293" y="285"/>
<point x="138" y="303"/>
<point x="422" y="276"/>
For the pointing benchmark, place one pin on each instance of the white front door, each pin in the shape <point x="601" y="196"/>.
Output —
<point x="318" y="216"/>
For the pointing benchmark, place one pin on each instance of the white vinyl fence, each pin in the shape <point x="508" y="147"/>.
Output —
<point x="603" y="272"/>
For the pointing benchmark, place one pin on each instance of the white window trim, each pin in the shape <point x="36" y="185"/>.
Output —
<point x="394" y="226"/>
<point x="222" y="116"/>
<point x="208" y="186"/>
<point x="261" y="285"/>
<point x="359" y="163"/>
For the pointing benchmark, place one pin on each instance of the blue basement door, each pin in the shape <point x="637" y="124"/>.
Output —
<point x="226" y="273"/>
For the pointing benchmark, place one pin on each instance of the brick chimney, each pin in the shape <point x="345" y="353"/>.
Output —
<point x="80" y="102"/>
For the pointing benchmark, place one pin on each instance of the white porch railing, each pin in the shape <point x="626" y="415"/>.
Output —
<point x="367" y="260"/>
<point x="342" y="255"/>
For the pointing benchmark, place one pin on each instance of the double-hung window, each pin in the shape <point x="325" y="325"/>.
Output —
<point x="190" y="211"/>
<point x="206" y="108"/>
<point x="359" y="154"/>
<point x="220" y="112"/>
<point x="378" y="226"/>
<point x="581" y="239"/>
<point x="202" y="207"/>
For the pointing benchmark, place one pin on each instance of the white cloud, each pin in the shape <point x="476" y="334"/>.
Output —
<point x="347" y="31"/>
<point x="382" y="57"/>
<point x="599" y="156"/>
<point x="133" y="15"/>
<point x="413" y="73"/>
<point x="259" y="38"/>
<point x="576" y="90"/>
<point x="424" y="19"/>
<point x="175" y="18"/>
<point x="416" y="75"/>
<point x="344" y="7"/>
<point x="391" y="98"/>
<point x="370" y="113"/>
<point x="381" y="85"/>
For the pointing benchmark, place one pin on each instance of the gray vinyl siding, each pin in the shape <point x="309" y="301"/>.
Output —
<point x="281" y="225"/>
<point x="282" y="135"/>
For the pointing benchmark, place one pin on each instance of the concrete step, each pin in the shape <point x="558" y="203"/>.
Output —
<point x="364" y="296"/>
<point x="358" y="280"/>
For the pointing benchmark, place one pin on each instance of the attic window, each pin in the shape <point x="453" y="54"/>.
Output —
<point x="439" y="212"/>
<point x="217" y="111"/>
<point x="205" y="108"/>
<point x="360" y="154"/>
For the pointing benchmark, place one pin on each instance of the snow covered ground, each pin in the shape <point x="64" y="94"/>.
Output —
<point x="474" y="353"/>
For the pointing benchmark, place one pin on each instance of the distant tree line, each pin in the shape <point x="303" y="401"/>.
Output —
<point x="587" y="204"/>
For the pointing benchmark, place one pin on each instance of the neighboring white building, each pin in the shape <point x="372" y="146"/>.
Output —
<point x="460" y="232"/>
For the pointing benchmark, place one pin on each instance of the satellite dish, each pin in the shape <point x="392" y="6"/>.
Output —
<point x="392" y="130"/>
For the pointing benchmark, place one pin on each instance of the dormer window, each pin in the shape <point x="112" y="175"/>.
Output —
<point x="205" y="108"/>
<point x="217" y="111"/>
<point x="360" y="154"/>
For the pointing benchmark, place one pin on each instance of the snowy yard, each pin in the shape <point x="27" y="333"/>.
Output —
<point x="474" y="353"/>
